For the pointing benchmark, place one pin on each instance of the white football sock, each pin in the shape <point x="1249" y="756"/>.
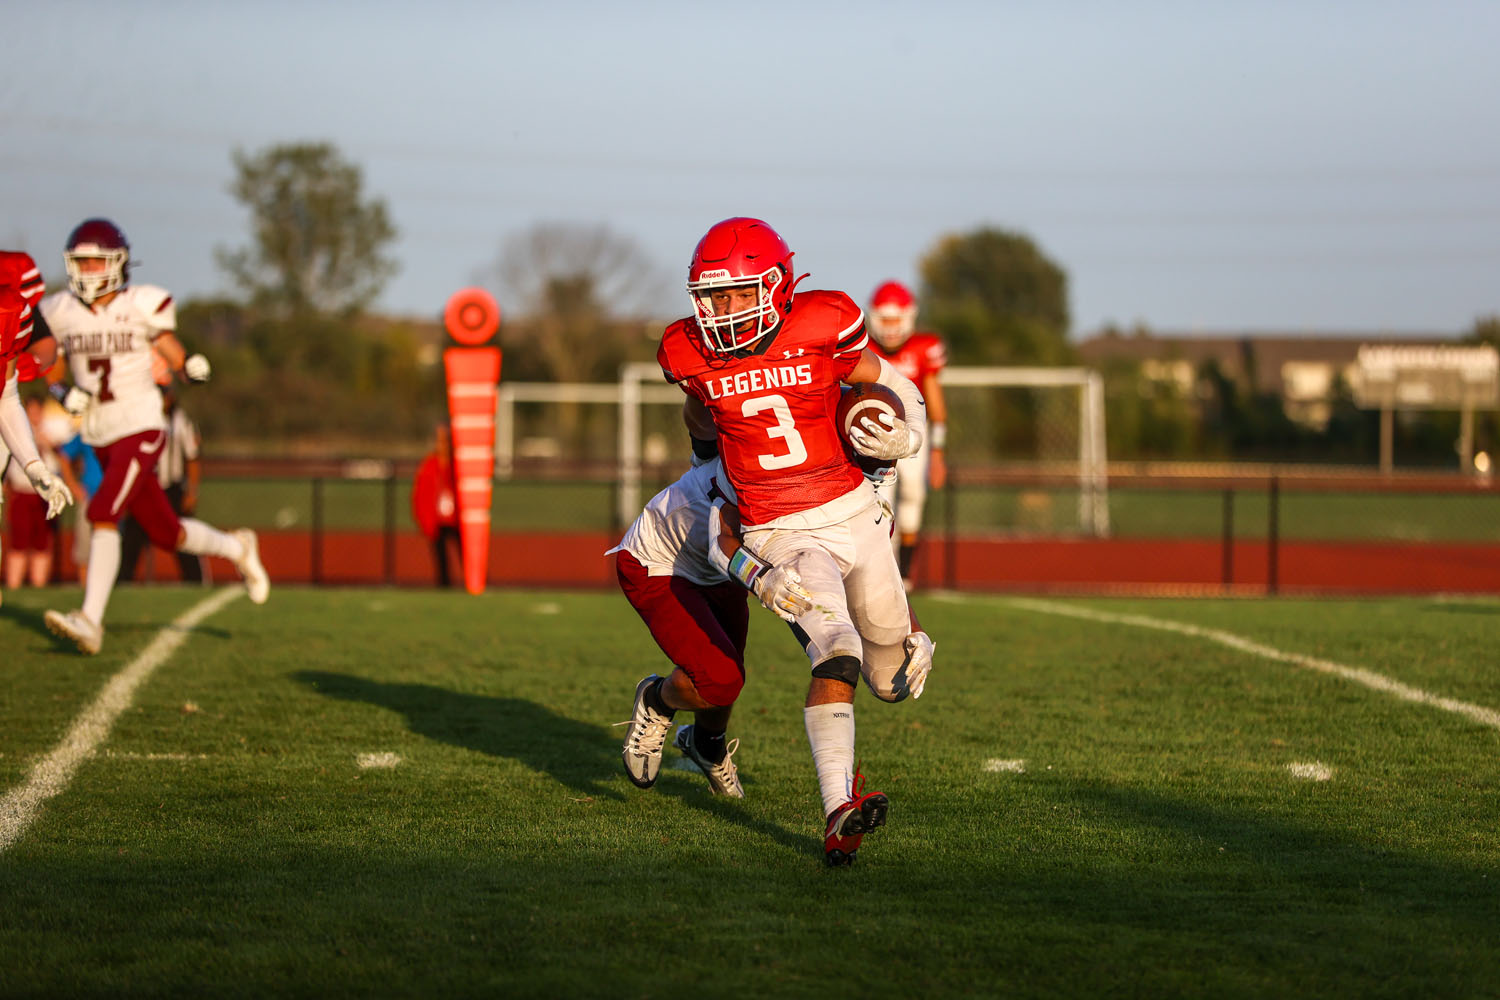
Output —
<point x="104" y="566"/>
<point x="830" y="732"/>
<point x="202" y="539"/>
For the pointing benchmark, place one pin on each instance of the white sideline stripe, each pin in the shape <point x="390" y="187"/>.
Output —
<point x="50" y="775"/>
<point x="1311" y="771"/>
<point x="1359" y="675"/>
<point x="384" y="758"/>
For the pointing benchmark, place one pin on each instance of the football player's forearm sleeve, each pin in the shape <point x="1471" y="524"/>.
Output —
<point x="911" y="400"/>
<point x="15" y="429"/>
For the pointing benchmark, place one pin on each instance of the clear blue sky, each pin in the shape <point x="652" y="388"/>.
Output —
<point x="1196" y="166"/>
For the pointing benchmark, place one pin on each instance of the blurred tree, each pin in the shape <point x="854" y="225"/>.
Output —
<point x="581" y="292"/>
<point x="1486" y="331"/>
<point x="316" y="242"/>
<point x="996" y="299"/>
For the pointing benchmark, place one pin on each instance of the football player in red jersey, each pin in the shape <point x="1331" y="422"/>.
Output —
<point x="762" y="370"/>
<point x="919" y="356"/>
<point x="20" y="291"/>
<point x="112" y="332"/>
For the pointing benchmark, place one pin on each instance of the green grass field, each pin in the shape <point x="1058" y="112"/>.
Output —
<point x="1079" y="806"/>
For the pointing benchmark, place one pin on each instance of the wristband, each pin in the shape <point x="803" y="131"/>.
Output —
<point x="746" y="568"/>
<point x="937" y="434"/>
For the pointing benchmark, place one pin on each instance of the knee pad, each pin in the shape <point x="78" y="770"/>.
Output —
<point x="839" y="668"/>
<point x="883" y="674"/>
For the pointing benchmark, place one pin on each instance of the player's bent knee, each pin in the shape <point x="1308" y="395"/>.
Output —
<point x="839" y="668"/>
<point x="884" y="671"/>
<point x="721" y="692"/>
<point x="885" y="691"/>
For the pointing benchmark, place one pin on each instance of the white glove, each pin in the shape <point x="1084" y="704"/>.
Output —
<point x="919" y="648"/>
<point x="49" y="487"/>
<point x="196" y="368"/>
<point x="886" y="436"/>
<point x="75" y="401"/>
<point x="781" y="591"/>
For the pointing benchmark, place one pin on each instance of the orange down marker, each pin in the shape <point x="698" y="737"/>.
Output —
<point x="472" y="317"/>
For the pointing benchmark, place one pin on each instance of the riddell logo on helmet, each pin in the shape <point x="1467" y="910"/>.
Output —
<point x="718" y="275"/>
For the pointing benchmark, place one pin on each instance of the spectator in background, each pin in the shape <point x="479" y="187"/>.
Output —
<point x="28" y="554"/>
<point x="434" y="503"/>
<point x="178" y="470"/>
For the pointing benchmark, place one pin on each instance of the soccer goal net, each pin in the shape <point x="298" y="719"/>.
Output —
<point x="1026" y="445"/>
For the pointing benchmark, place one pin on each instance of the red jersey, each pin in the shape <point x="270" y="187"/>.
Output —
<point x="919" y="355"/>
<point x="773" y="403"/>
<point x="19" y="272"/>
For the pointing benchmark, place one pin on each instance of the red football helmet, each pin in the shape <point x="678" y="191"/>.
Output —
<point x="20" y="271"/>
<point x="893" y="314"/>
<point x="735" y="253"/>
<point x="96" y="238"/>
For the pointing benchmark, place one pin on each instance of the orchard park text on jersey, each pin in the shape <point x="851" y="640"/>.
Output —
<point x="113" y="342"/>
<point x="758" y="380"/>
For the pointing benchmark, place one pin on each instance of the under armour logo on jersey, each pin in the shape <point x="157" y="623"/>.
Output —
<point x="788" y="354"/>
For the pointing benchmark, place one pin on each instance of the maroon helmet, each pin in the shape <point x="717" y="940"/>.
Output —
<point x="96" y="239"/>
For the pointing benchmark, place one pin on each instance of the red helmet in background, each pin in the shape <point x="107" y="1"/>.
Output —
<point x="18" y="270"/>
<point x="892" y="314"/>
<point x="102" y="239"/>
<point x="735" y="253"/>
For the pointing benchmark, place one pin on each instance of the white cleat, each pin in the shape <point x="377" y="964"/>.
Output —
<point x="648" y="730"/>
<point x="76" y="627"/>
<point x="257" y="583"/>
<point x="723" y="777"/>
<point x="919" y="649"/>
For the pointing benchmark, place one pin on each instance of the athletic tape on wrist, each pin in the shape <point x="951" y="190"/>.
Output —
<point x="746" y="568"/>
<point x="937" y="435"/>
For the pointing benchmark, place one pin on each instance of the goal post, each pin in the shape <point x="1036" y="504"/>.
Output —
<point x="1049" y="420"/>
<point x="1052" y="422"/>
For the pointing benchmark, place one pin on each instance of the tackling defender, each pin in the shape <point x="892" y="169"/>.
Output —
<point x="110" y="331"/>
<point x="697" y="614"/>
<point x="920" y="356"/>
<point x="766" y="375"/>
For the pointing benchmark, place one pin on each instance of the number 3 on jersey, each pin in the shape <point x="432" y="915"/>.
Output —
<point x="786" y="429"/>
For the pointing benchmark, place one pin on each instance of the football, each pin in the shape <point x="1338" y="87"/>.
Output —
<point x="861" y="400"/>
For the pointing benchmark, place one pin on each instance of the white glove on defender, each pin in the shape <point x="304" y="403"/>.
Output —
<point x="75" y="400"/>
<point x="781" y="591"/>
<point x="885" y="437"/>
<point x="919" y="649"/>
<point x="49" y="487"/>
<point x="196" y="368"/>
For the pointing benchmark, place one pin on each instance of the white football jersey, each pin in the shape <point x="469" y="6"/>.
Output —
<point x="670" y="537"/>
<point x="109" y="353"/>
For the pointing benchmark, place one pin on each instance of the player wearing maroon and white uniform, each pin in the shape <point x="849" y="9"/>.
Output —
<point x="698" y="617"/>
<point x="763" y="371"/>
<point x="20" y="290"/>
<point x="111" y="331"/>
<point x="920" y="356"/>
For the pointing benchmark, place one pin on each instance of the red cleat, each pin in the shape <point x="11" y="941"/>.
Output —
<point x="848" y="824"/>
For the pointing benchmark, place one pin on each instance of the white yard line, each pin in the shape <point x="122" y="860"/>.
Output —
<point x="1359" y="675"/>
<point x="50" y="775"/>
